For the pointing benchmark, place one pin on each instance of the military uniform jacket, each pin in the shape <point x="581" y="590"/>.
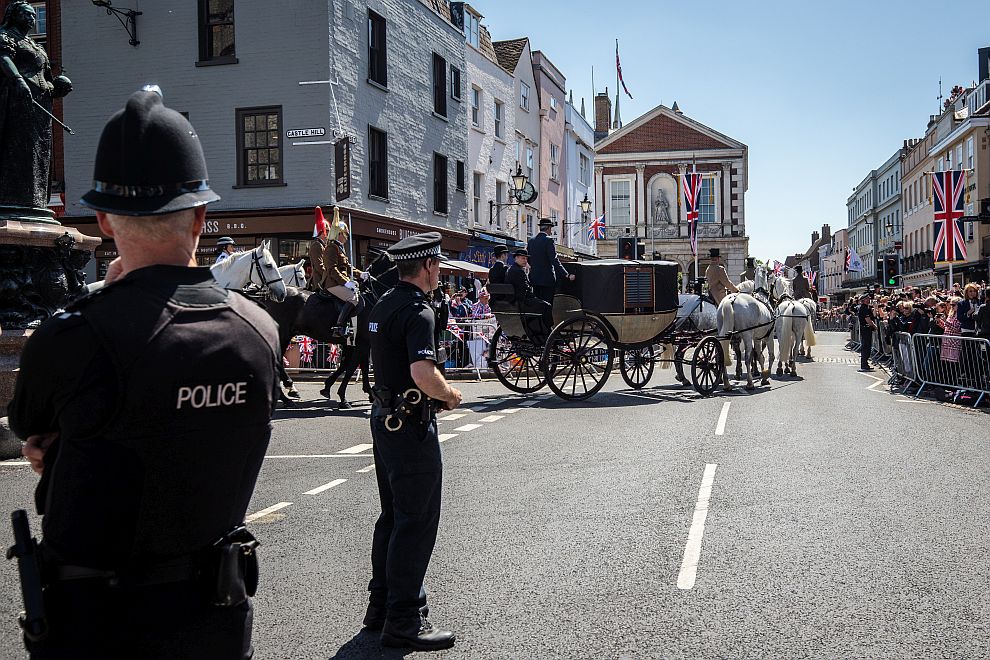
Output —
<point x="545" y="266"/>
<point x="496" y="274"/>
<point x="402" y="330"/>
<point x="336" y="265"/>
<point x="318" y="261"/>
<point x="801" y="287"/>
<point x="161" y="387"/>
<point x="719" y="284"/>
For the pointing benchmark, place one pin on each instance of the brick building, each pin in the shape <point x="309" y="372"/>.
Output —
<point x="637" y="186"/>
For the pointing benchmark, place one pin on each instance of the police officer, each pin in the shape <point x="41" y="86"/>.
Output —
<point x="802" y="288"/>
<point x="225" y="247"/>
<point x="750" y="272"/>
<point x="496" y="274"/>
<point x="149" y="440"/>
<point x="408" y="390"/>
<point x="867" y="324"/>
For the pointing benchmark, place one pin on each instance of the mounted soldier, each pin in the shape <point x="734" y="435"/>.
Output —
<point x="719" y="284"/>
<point x="332" y="270"/>
<point x="802" y="289"/>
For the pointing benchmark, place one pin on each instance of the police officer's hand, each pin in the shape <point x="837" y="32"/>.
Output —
<point x="35" y="447"/>
<point x="453" y="399"/>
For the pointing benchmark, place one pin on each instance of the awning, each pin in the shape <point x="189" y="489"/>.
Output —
<point x="457" y="264"/>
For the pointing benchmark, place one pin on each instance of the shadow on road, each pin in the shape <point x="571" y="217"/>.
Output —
<point x="365" y="646"/>
<point x="322" y="408"/>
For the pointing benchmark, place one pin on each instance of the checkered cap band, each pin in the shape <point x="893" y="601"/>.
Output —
<point x="418" y="254"/>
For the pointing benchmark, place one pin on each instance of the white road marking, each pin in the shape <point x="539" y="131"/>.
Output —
<point x="692" y="551"/>
<point x="528" y="403"/>
<point x="444" y="437"/>
<point x="479" y="409"/>
<point x="367" y="469"/>
<point x="451" y="417"/>
<point x="510" y="411"/>
<point x="637" y="396"/>
<point x="879" y="382"/>
<point x="320" y="455"/>
<point x="910" y="401"/>
<point x="491" y="418"/>
<point x="720" y="427"/>
<point x="356" y="449"/>
<point x="468" y="427"/>
<point x="320" y="489"/>
<point x="13" y="463"/>
<point x="264" y="512"/>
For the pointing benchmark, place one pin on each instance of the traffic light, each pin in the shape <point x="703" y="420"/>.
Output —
<point x="627" y="248"/>
<point x="890" y="270"/>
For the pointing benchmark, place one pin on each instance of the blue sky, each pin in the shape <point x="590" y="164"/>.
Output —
<point x="821" y="92"/>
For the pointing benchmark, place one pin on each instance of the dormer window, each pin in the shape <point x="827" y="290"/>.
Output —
<point x="472" y="28"/>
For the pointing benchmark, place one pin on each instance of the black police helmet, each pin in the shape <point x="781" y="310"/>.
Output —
<point x="149" y="161"/>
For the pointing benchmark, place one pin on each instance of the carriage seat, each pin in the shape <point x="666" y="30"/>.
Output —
<point x="504" y="300"/>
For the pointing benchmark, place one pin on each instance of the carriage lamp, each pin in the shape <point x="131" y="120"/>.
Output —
<point x="519" y="179"/>
<point x="585" y="204"/>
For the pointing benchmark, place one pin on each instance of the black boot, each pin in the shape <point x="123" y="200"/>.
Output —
<point x="416" y="633"/>
<point x="374" y="618"/>
<point x="340" y="330"/>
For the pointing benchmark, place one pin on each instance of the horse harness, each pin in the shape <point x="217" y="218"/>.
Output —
<point x="256" y="264"/>
<point x="773" y="316"/>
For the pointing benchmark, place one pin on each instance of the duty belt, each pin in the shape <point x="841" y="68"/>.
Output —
<point x="396" y="409"/>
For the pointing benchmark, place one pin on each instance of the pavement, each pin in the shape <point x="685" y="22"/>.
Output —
<point x="821" y="516"/>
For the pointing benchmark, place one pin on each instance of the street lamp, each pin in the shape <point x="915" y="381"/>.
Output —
<point x="522" y="193"/>
<point x="519" y="179"/>
<point x="585" y="204"/>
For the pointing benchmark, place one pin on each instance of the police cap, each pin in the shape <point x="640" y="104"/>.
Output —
<point x="149" y="161"/>
<point x="420" y="246"/>
<point x="499" y="249"/>
<point x="225" y="240"/>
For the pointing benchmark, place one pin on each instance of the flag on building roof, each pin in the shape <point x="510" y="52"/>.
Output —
<point x="596" y="231"/>
<point x="947" y="196"/>
<point x="618" y="70"/>
<point x="691" y="186"/>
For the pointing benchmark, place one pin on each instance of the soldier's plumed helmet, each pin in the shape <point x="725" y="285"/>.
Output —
<point x="420" y="246"/>
<point x="149" y="161"/>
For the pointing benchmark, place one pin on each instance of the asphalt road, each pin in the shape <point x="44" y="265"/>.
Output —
<point x="825" y="517"/>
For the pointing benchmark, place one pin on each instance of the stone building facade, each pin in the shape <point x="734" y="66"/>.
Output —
<point x="579" y="154"/>
<point x="637" y="186"/>
<point x="550" y="83"/>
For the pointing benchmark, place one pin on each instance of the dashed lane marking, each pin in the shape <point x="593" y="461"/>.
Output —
<point x="270" y="510"/>
<point x="366" y="469"/>
<point x="468" y="427"/>
<point x="320" y="489"/>
<point x="528" y="403"/>
<point x="356" y="449"/>
<point x="320" y="455"/>
<point x="13" y="463"/>
<point x="692" y="551"/>
<point x="491" y="418"/>
<point x="451" y="417"/>
<point x="720" y="427"/>
<point x="444" y="437"/>
<point x="510" y="411"/>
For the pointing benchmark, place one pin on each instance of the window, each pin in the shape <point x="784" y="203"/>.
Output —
<point x="477" y="185"/>
<point x="377" y="163"/>
<point x="498" y="119"/>
<point x="524" y="96"/>
<point x="706" y="201"/>
<point x="584" y="175"/>
<point x="455" y="83"/>
<point x="620" y="203"/>
<point x="553" y="102"/>
<point x="216" y="31"/>
<point x="259" y="150"/>
<point x="472" y="28"/>
<point x="475" y="106"/>
<point x="459" y="178"/>
<point x="555" y="162"/>
<point x="554" y="217"/>
<point x="958" y="158"/>
<point x="439" y="85"/>
<point x="529" y="162"/>
<point x="969" y="153"/>
<point x="377" y="60"/>
<point x="40" y="31"/>
<point x="439" y="184"/>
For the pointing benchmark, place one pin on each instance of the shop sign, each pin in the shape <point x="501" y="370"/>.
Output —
<point x="305" y="132"/>
<point x="342" y="168"/>
<point x="260" y="226"/>
<point x="482" y="256"/>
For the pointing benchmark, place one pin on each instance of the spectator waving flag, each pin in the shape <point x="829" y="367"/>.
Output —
<point x="596" y="231"/>
<point x="454" y="330"/>
<point x="618" y="70"/>
<point x="305" y="349"/>
<point x="691" y="184"/>
<point x="947" y="189"/>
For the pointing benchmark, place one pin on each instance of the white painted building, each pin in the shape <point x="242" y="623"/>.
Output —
<point x="579" y="152"/>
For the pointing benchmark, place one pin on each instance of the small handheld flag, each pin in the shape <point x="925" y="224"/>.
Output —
<point x="778" y="267"/>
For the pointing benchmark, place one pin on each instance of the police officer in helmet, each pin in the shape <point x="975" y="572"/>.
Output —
<point x="149" y="440"/>
<point x="408" y="390"/>
<point x="225" y="247"/>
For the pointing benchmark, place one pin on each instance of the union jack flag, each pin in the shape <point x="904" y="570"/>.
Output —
<point x="453" y="329"/>
<point x="596" y="231"/>
<point x="618" y="70"/>
<point x="305" y="349"/>
<point x="333" y="355"/>
<point x="778" y="267"/>
<point x="691" y="184"/>
<point x="812" y="276"/>
<point x="950" y="244"/>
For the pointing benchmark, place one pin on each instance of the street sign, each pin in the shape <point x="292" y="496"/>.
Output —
<point x="342" y="168"/>
<point x="305" y="132"/>
<point x="898" y="245"/>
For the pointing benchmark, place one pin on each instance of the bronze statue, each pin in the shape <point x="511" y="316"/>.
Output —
<point x="27" y="90"/>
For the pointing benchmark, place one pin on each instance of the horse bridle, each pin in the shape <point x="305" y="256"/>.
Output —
<point x="256" y="263"/>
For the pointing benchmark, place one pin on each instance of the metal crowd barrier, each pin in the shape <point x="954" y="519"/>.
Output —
<point x="467" y="342"/>
<point x="854" y="339"/>
<point x="831" y="324"/>
<point x="957" y="363"/>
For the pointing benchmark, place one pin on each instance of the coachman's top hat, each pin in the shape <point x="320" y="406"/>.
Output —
<point x="798" y="269"/>
<point x="545" y="222"/>
<point x="521" y="252"/>
<point x="713" y="252"/>
<point x="149" y="161"/>
<point x="499" y="249"/>
<point x="750" y="262"/>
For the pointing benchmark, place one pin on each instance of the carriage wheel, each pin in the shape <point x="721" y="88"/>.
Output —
<point x="636" y="366"/>
<point x="707" y="365"/>
<point x="518" y="372"/>
<point x="578" y="357"/>
<point x="679" y="364"/>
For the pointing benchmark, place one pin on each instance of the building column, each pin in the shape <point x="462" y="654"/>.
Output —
<point x="599" y="191"/>
<point x="640" y="200"/>
<point x="681" y="214"/>
<point x="727" y="198"/>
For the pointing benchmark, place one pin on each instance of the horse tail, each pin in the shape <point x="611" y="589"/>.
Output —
<point x="809" y="333"/>
<point x="725" y="324"/>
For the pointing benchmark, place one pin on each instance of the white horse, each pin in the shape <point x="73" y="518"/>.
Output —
<point x="792" y="319"/>
<point x="255" y="266"/>
<point x="808" y="339"/>
<point x="691" y="310"/>
<point x="294" y="274"/>
<point x="742" y="316"/>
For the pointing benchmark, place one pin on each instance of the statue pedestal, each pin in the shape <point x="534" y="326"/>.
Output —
<point x="41" y="270"/>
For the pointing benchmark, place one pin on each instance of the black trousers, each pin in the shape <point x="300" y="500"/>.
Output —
<point x="544" y="292"/>
<point x="865" y="346"/>
<point x="88" y="619"/>
<point x="410" y="474"/>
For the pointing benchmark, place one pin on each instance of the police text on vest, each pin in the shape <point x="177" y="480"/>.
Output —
<point x="212" y="396"/>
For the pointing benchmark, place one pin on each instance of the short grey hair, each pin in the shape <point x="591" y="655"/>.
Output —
<point x="166" y="227"/>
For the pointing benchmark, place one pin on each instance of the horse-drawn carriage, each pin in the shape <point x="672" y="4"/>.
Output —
<point x="612" y="310"/>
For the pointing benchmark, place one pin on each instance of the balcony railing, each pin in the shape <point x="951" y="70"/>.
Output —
<point x="979" y="97"/>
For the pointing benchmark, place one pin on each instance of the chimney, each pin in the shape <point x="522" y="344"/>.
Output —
<point x="603" y="113"/>
<point x="984" y="63"/>
<point x="827" y="232"/>
<point x="814" y="237"/>
<point x="457" y="14"/>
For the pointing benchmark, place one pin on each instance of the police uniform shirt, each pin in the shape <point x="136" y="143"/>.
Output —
<point x="402" y="332"/>
<point x="161" y="387"/>
<point x="864" y="312"/>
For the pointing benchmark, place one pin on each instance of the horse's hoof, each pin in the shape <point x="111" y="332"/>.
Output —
<point x="293" y="393"/>
<point x="344" y="405"/>
<point x="765" y="381"/>
<point x="750" y="387"/>
<point x="780" y="371"/>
